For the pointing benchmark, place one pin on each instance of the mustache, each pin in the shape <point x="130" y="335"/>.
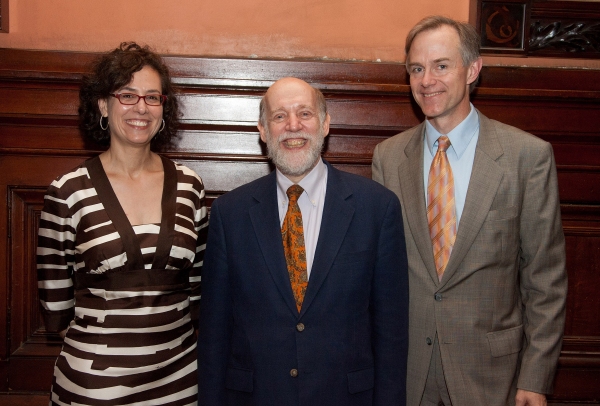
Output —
<point x="289" y="135"/>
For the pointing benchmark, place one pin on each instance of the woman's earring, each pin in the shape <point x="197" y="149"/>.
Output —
<point x="163" y="126"/>
<point x="103" y="128"/>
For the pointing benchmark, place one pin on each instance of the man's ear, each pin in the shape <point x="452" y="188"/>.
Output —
<point x="263" y="133"/>
<point x="474" y="69"/>
<point x="326" y="125"/>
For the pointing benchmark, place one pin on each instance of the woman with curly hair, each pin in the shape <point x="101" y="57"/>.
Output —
<point x="121" y="242"/>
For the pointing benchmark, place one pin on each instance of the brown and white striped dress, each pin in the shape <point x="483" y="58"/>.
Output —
<point x="129" y="295"/>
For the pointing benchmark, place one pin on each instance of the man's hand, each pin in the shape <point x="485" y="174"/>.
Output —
<point x="527" y="398"/>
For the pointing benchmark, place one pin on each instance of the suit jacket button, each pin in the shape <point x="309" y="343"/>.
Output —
<point x="438" y="297"/>
<point x="428" y="340"/>
<point x="300" y="327"/>
<point x="294" y="373"/>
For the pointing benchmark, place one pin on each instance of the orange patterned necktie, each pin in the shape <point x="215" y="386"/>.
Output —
<point x="292" y="233"/>
<point x="441" y="212"/>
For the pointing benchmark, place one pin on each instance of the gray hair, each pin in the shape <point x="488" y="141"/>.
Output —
<point x="467" y="34"/>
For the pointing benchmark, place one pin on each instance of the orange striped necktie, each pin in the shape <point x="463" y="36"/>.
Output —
<point x="292" y="233"/>
<point x="441" y="211"/>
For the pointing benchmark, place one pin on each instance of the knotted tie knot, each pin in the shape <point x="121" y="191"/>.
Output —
<point x="443" y="143"/>
<point x="294" y="192"/>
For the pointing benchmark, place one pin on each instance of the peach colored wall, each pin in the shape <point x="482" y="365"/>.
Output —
<point x="345" y="29"/>
<point x="337" y="29"/>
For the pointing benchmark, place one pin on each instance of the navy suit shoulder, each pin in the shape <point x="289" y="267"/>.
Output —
<point x="241" y="194"/>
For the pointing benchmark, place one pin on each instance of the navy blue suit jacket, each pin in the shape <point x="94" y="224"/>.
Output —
<point x="348" y="345"/>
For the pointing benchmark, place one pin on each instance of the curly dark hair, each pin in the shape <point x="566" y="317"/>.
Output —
<point x="111" y="72"/>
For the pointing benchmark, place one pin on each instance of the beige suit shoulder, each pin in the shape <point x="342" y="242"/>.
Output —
<point x="393" y="146"/>
<point x="400" y="139"/>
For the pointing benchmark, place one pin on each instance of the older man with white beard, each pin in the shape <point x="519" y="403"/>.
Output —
<point x="305" y="289"/>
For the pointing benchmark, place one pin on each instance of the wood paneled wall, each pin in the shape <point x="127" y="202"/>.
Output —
<point x="368" y="102"/>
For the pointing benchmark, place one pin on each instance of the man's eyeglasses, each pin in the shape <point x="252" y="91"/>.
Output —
<point x="132" y="98"/>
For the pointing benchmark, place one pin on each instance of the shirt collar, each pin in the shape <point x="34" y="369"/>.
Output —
<point x="310" y="183"/>
<point x="460" y="136"/>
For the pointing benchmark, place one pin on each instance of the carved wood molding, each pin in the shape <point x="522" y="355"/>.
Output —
<point x="538" y="27"/>
<point x="565" y="36"/>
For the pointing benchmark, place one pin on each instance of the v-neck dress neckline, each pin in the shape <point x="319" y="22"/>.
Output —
<point x="120" y="221"/>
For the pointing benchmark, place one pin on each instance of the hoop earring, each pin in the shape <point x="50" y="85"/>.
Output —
<point x="163" y="126"/>
<point x="103" y="128"/>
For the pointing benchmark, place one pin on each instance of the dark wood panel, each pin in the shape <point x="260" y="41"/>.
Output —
<point x="581" y="224"/>
<point x="34" y="171"/>
<point x="577" y="385"/>
<point x="24" y="400"/>
<point x="584" y="151"/>
<point x="544" y="116"/>
<point x="25" y="205"/>
<point x="4" y="372"/>
<point x="31" y="137"/>
<point x="56" y="102"/>
<point x="579" y="184"/>
<point x="368" y="102"/>
<point x="539" y="79"/>
<point x="22" y="378"/>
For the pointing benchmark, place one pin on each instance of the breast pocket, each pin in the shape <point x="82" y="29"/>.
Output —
<point x="504" y="213"/>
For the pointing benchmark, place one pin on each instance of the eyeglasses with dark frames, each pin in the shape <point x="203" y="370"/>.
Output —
<point x="132" y="98"/>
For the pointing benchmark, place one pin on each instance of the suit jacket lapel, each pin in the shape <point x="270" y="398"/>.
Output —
<point x="265" y="219"/>
<point x="410" y="173"/>
<point x="337" y="214"/>
<point x="483" y="185"/>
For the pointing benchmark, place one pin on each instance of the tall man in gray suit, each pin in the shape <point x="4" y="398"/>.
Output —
<point x="483" y="232"/>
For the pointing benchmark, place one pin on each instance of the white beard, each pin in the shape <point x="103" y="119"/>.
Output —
<point x="295" y="163"/>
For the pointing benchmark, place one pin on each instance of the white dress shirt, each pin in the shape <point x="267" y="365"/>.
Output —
<point x="311" y="203"/>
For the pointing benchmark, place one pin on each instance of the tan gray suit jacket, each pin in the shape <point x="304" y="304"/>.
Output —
<point x="499" y="310"/>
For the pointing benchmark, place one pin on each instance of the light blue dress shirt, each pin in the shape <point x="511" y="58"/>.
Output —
<point x="461" y="154"/>
<point x="311" y="203"/>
